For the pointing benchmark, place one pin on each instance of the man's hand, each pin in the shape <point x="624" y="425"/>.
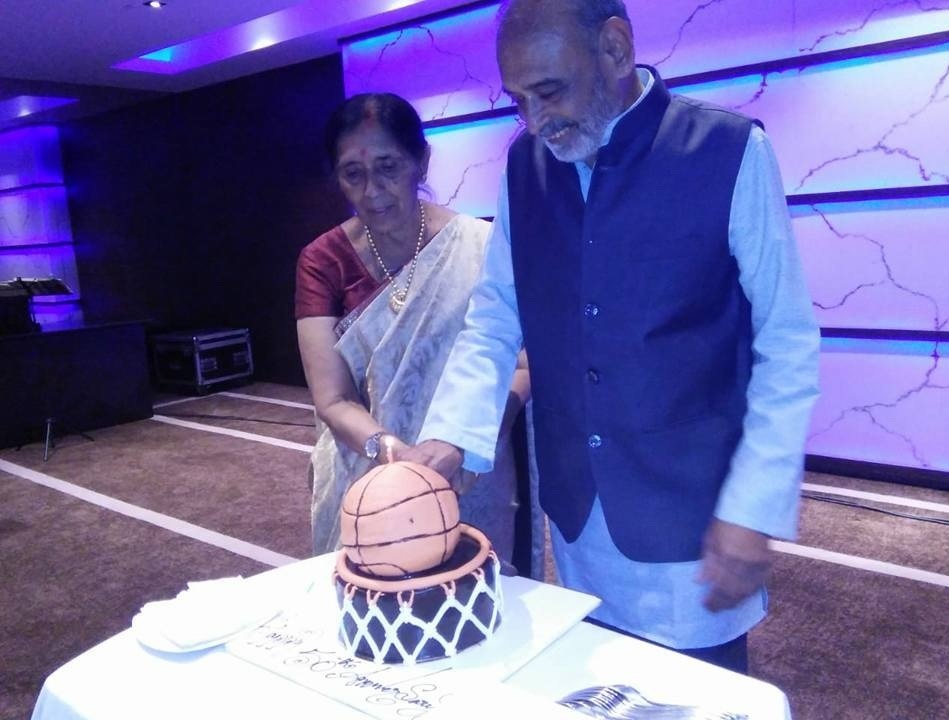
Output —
<point x="442" y="457"/>
<point x="735" y="563"/>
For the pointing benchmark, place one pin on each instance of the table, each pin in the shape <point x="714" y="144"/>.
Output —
<point x="119" y="679"/>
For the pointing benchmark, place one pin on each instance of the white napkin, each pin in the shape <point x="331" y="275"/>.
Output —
<point x="210" y="610"/>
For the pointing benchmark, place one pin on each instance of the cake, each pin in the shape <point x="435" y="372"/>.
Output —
<point x="413" y="583"/>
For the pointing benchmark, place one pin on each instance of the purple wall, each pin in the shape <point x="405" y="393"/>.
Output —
<point x="35" y="236"/>
<point x="855" y="97"/>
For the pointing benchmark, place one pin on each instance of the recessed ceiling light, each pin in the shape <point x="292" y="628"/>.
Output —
<point x="157" y="4"/>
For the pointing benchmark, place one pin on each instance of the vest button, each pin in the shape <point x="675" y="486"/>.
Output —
<point x="593" y="376"/>
<point x="591" y="310"/>
<point x="594" y="441"/>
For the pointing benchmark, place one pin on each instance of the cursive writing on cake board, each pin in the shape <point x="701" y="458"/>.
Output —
<point x="311" y="656"/>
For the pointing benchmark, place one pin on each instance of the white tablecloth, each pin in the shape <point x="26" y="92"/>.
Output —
<point x="120" y="679"/>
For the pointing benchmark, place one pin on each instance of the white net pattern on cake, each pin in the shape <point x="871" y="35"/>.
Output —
<point x="429" y="628"/>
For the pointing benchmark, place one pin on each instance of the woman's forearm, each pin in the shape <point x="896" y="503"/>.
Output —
<point x="335" y="397"/>
<point x="349" y="421"/>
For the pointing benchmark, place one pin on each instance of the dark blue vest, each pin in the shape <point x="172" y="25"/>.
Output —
<point x="637" y="331"/>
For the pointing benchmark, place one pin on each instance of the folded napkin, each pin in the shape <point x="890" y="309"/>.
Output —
<point x="210" y="610"/>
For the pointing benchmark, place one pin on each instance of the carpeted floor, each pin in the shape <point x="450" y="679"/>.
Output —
<point x="842" y="641"/>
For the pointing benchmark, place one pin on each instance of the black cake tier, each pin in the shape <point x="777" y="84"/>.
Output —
<point x="383" y="621"/>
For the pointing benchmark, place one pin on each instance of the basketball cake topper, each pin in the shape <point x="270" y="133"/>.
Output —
<point x="399" y="519"/>
<point x="412" y="582"/>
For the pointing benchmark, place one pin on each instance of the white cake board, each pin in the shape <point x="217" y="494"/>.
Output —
<point x="302" y="645"/>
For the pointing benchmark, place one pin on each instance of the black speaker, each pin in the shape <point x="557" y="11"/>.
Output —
<point x="15" y="315"/>
<point x="84" y="378"/>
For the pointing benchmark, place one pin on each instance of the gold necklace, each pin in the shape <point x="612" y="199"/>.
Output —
<point x="398" y="295"/>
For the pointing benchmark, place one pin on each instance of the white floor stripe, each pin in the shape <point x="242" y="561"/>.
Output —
<point x="178" y="401"/>
<point x="181" y="527"/>
<point x="877" y="566"/>
<point x="277" y="442"/>
<point x="878" y="497"/>
<point x="272" y="401"/>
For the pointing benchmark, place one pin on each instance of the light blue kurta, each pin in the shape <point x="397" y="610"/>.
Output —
<point x="663" y="601"/>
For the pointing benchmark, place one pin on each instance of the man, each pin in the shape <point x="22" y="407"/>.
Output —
<point x="642" y="253"/>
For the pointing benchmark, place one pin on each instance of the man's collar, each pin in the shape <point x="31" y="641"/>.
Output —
<point x="648" y="80"/>
<point x="631" y="134"/>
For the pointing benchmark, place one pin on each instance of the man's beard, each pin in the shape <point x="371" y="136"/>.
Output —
<point x="586" y="134"/>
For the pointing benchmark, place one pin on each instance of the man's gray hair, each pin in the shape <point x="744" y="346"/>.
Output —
<point x="589" y="15"/>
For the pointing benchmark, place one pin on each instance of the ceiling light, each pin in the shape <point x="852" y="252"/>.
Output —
<point x="262" y="42"/>
<point x="24" y="105"/>
<point x="157" y="4"/>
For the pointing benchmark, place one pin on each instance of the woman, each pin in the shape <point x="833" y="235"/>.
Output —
<point x="379" y="301"/>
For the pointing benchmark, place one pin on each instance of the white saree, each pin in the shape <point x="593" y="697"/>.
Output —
<point x="396" y="360"/>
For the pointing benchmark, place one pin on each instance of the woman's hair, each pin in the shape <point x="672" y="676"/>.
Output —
<point x="396" y="116"/>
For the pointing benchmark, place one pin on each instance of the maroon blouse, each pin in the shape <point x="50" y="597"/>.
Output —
<point x="331" y="279"/>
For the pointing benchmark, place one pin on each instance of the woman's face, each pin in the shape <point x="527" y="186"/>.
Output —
<point x="378" y="177"/>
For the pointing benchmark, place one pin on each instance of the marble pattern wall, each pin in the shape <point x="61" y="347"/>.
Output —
<point x="878" y="264"/>
<point x="869" y="123"/>
<point x="34" y="216"/>
<point x="682" y="37"/>
<point x="35" y="234"/>
<point x="445" y="67"/>
<point x="883" y="401"/>
<point x="855" y="97"/>
<point x="467" y="161"/>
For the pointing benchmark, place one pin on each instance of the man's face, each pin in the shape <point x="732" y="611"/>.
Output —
<point x="560" y="90"/>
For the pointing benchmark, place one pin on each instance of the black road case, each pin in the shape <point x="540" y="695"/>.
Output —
<point x="200" y="359"/>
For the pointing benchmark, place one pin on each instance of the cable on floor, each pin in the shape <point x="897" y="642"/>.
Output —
<point x="200" y="416"/>
<point x="861" y="506"/>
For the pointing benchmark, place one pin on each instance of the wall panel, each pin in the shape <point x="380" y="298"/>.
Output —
<point x="467" y="161"/>
<point x="444" y="67"/>
<point x="30" y="156"/>
<point x="35" y="234"/>
<point x="37" y="215"/>
<point x="683" y="37"/>
<point x="868" y="123"/>
<point x="883" y="402"/>
<point x="870" y="265"/>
